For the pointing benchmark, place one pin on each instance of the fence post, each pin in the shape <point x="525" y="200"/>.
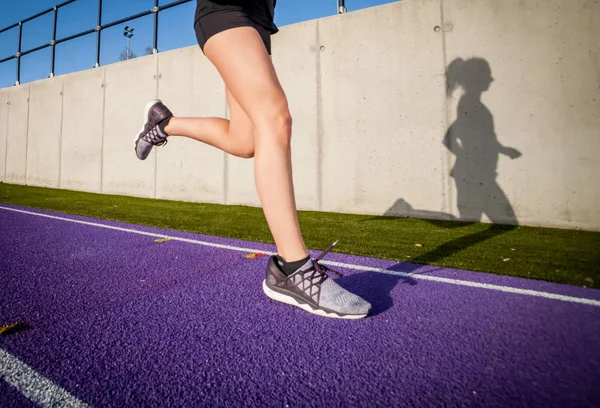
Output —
<point x="53" y="57"/>
<point x="342" y="7"/>
<point x="98" y="32"/>
<point x="155" y="10"/>
<point x="19" y="54"/>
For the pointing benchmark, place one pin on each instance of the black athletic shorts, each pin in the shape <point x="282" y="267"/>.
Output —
<point x="218" y="21"/>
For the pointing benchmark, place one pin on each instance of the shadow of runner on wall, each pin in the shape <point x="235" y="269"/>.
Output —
<point x="473" y="140"/>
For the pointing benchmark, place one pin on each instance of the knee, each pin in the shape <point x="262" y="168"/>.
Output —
<point x="284" y="120"/>
<point x="278" y="125"/>
<point x="283" y="128"/>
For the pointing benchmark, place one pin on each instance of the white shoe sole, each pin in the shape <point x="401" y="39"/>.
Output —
<point x="146" y="110"/>
<point x="291" y="301"/>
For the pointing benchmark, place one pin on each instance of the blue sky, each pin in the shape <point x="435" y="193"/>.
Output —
<point x="175" y="31"/>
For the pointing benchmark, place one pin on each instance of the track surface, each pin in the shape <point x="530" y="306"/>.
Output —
<point x="120" y="320"/>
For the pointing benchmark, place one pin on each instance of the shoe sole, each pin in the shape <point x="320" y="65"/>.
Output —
<point x="146" y="111"/>
<point x="291" y="301"/>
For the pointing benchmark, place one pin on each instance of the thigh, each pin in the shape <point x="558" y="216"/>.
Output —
<point x="247" y="70"/>
<point x="216" y="22"/>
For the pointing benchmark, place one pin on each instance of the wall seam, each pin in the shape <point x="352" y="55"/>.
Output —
<point x="6" y="140"/>
<point x="319" y="124"/>
<point x="60" y="135"/>
<point x="103" y="129"/>
<point x="447" y="198"/>
<point x="27" y="131"/>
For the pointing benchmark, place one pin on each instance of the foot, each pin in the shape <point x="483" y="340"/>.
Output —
<point x="152" y="134"/>
<point x="311" y="289"/>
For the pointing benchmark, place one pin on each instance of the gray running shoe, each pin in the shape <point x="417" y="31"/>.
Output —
<point x="311" y="289"/>
<point x="150" y="135"/>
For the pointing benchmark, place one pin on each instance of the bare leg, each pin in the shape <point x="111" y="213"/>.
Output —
<point x="234" y="136"/>
<point x="244" y="64"/>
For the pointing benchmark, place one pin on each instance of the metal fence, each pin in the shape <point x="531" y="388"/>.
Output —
<point x="341" y="8"/>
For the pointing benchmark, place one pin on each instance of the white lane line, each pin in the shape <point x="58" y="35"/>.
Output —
<point x="37" y="388"/>
<point x="508" y="289"/>
<point x="149" y="234"/>
<point x="488" y="286"/>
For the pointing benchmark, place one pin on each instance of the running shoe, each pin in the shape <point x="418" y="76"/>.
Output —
<point x="310" y="288"/>
<point x="151" y="134"/>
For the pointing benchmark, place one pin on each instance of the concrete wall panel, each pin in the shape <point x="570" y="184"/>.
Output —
<point x="4" y="106"/>
<point x="43" y="142"/>
<point x="241" y="188"/>
<point x="16" y="145"/>
<point x="83" y="104"/>
<point x="382" y="87"/>
<point x="130" y="85"/>
<point x="544" y="58"/>
<point x="187" y="169"/>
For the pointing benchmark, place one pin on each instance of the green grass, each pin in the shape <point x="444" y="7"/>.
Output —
<point x="564" y="256"/>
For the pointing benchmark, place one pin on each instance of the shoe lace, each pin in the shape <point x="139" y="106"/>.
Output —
<point x="321" y="272"/>
<point x="153" y="136"/>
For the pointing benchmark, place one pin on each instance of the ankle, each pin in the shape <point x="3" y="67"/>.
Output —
<point x="289" y="268"/>
<point x="165" y="126"/>
<point x="295" y="255"/>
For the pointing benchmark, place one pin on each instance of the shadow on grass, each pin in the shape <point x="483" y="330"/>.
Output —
<point x="450" y="248"/>
<point x="402" y="209"/>
<point x="376" y="287"/>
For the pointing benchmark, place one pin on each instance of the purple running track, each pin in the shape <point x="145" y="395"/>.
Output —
<point x="120" y="320"/>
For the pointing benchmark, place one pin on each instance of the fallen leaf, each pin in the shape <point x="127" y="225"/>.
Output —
<point x="255" y="255"/>
<point x="506" y="259"/>
<point x="13" y="328"/>
<point x="161" y="240"/>
<point x="419" y="245"/>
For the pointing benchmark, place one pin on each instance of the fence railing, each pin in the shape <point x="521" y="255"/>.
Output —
<point x="341" y="8"/>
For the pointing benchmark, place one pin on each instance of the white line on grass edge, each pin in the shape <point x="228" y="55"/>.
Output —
<point x="507" y="289"/>
<point x="33" y="385"/>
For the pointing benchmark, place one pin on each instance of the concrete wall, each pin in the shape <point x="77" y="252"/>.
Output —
<point x="82" y="131"/>
<point x="187" y="170"/>
<point x="376" y="129"/>
<point x="127" y="89"/>
<point x="545" y="100"/>
<point x="44" y="134"/>
<point x="382" y="84"/>
<point x="17" y="126"/>
<point x="4" y="101"/>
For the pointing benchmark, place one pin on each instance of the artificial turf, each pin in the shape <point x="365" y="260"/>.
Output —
<point x="556" y="255"/>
